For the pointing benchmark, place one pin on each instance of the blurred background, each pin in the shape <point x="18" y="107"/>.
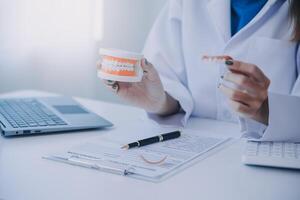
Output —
<point x="52" y="45"/>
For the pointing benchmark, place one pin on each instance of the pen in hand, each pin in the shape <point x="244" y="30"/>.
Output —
<point x="152" y="140"/>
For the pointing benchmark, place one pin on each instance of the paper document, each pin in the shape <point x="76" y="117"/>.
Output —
<point x="105" y="154"/>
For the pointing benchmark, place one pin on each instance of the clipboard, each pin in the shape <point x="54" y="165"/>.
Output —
<point x="86" y="156"/>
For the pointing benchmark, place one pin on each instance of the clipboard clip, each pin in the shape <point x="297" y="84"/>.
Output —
<point x="81" y="161"/>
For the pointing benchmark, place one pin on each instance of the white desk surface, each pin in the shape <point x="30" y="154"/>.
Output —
<point x="25" y="176"/>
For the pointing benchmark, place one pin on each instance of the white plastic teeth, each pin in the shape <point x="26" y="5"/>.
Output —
<point x="216" y="59"/>
<point x="117" y="66"/>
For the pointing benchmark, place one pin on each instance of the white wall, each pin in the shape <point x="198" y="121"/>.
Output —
<point x="50" y="44"/>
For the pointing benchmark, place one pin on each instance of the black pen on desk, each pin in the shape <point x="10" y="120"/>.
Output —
<point x="152" y="140"/>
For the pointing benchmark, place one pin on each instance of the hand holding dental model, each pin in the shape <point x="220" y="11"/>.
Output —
<point x="250" y="96"/>
<point x="146" y="92"/>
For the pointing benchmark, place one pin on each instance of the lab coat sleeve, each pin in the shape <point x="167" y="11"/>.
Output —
<point x="284" y="117"/>
<point x="164" y="50"/>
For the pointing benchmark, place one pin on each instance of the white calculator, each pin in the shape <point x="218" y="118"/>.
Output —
<point x="272" y="154"/>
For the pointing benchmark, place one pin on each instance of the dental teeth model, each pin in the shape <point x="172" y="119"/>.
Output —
<point x="221" y="60"/>
<point x="216" y="59"/>
<point x="119" y="65"/>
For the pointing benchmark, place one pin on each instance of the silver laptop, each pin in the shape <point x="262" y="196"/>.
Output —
<point x="27" y="116"/>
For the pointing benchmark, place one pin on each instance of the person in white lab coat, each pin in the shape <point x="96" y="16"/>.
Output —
<point x="256" y="34"/>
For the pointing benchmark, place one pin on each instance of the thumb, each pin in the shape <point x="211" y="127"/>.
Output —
<point x="148" y="68"/>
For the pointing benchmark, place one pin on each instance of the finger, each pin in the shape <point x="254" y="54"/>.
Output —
<point x="113" y="87"/>
<point x="240" y="108"/>
<point x="144" y="65"/>
<point x="149" y="71"/>
<point x="236" y="95"/>
<point x="109" y="82"/>
<point x="242" y="97"/>
<point x="147" y="66"/>
<point x="246" y="69"/>
<point x="244" y="82"/>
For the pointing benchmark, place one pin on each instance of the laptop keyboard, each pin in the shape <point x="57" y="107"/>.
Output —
<point x="22" y="113"/>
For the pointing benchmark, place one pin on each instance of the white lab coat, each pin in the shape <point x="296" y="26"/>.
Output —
<point x="188" y="29"/>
